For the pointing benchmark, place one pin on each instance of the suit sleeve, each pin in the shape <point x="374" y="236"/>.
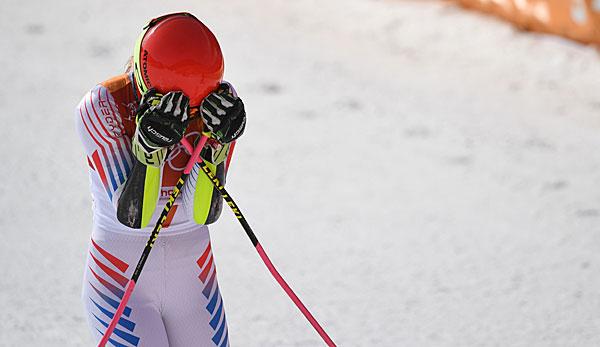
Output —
<point x="132" y="187"/>
<point x="201" y="200"/>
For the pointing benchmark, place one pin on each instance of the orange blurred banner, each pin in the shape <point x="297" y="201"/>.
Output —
<point x="576" y="19"/>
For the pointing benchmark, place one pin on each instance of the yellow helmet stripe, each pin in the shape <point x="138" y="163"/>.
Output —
<point x="137" y="66"/>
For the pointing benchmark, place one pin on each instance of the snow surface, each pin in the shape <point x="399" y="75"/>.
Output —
<point x="421" y="175"/>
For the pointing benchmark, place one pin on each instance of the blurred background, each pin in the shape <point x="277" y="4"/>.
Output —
<point x="422" y="175"/>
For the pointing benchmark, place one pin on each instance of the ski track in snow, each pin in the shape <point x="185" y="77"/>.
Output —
<point x="421" y="175"/>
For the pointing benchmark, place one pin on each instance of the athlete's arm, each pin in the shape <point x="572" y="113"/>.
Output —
<point x="224" y="116"/>
<point x="161" y="123"/>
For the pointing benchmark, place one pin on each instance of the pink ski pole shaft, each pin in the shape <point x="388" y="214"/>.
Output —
<point x="146" y="252"/>
<point x="261" y="252"/>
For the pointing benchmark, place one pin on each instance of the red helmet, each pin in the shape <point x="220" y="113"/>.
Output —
<point x="178" y="52"/>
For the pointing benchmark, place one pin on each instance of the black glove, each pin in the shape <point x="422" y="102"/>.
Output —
<point x="223" y="114"/>
<point x="165" y="119"/>
<point x="161" y="123"/>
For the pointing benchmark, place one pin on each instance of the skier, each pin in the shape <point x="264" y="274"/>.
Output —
<point x="130" y="127"/>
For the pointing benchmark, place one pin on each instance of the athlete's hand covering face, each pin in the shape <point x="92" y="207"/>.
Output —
<point x="165" y="118"/>
<point x="223" y="114"/>
<point x="161" y="123"/>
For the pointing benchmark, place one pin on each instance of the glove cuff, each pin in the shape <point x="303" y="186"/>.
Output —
<point x="147" y="152"/>
<point x="215" y="152"/>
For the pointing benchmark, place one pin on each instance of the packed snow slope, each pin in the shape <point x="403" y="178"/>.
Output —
<point x="422" y="176"/>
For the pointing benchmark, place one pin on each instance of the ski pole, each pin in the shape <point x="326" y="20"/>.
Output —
<point x="195" y="154"/>
<point x="261" y="252"/>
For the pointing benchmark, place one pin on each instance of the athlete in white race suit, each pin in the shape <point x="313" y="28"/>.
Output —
<point x="130" y="127"/>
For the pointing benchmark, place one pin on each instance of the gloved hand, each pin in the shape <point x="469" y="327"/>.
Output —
<point x="161" y="122"/>
<point x="223" y="114"/>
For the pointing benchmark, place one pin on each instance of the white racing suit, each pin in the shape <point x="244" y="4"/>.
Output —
<point x="176" y="301"/>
